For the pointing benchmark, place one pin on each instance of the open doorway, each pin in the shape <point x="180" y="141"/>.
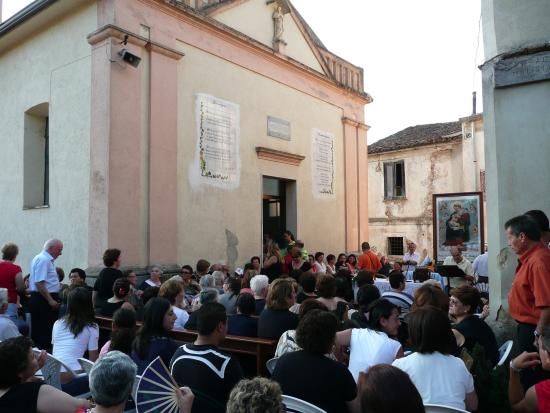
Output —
<point x="279" y="207"/>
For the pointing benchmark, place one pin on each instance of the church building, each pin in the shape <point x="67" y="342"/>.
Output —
<point x="177" y="130"/>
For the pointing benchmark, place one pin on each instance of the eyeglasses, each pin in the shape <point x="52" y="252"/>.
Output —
<point x="186" y="272"/>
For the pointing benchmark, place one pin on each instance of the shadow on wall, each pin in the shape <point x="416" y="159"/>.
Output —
<point x="231" y="248"/>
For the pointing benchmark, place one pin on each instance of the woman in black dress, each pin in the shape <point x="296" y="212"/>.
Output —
<point x="17" y="394"/>
<point x="273" y="263"/>
<point x="463" y="304"/>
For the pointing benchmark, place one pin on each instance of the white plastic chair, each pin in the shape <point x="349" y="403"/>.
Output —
<point x="295" y="405"/>
<point x="270" y="364"/>
<point x="504" y="352"/>
<point x="51" y="372"/>
<point x="134" y="386"/>
<point x="86" y="365"/>
<point x="440" y="408"/>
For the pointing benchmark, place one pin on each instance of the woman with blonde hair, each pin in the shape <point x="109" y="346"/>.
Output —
<point x="273" y="263"/>
<point x="172" y="290"/>
<point x="276" y="318"/>
<point x="257" y="395"/>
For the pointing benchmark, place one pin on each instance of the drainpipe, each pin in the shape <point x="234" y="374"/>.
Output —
<point x="473" y="132"/>
<point x="476" y="172"/>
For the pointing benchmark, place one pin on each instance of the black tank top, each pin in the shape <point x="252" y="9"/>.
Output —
<point x="21" y="398"/>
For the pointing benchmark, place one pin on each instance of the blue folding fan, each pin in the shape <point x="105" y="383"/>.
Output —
<point x="156" y="390"/>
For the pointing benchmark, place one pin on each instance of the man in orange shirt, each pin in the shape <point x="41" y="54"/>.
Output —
<point x="368" y="260"/>
<point x="529" y="296"/>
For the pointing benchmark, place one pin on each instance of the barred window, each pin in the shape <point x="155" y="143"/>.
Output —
<point x="395" y="246"/>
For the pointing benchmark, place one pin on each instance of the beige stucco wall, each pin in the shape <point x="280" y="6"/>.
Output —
<point x="209" y="210"/>
<point x="254" y="18"/>
<point x="54" y="67"/>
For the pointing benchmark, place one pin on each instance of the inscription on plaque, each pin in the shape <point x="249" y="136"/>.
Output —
<point x="322" y="164"/>
<point x="278" y="128"/>
<point x="522" y="69"/>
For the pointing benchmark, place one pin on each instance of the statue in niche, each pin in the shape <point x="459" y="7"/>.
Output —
<point x="278" y="28"/>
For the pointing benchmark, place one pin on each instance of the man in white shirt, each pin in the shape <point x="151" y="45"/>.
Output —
<point x="411" y="258"/>
<point x="457" y="259"/>
<point x="7" y="328"/>
<point x="481" y="267"/>
<point x="44" y="287"/>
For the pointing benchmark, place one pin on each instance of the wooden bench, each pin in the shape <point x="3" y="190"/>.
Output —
<point x="258" y="348"/>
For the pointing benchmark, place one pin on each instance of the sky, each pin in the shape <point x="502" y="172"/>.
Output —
<point x="10" y="7"/>
<point x="419" y="57"/>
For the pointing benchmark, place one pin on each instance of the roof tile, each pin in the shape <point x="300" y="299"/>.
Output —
<point x="418" y="135"/>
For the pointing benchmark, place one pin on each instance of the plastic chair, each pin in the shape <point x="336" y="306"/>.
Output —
<point x="270" y="364"/>
<point x="295" y="405"/>
<point x="86" y="365"/>
<point x="51" y="372"/>
<point x="440" y="408"/>
<point x="134" y="387"/>
<point x="504" y="352"/>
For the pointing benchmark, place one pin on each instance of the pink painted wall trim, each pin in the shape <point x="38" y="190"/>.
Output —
<point x="352" y="199"/>
<point x="163" y="160"/>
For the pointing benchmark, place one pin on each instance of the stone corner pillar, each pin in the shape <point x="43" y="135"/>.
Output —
<point x="356" y="183"/>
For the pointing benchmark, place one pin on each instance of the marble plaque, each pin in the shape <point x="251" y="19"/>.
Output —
<point x="322" y="164"/>
<point x="278" y="128"/>
<point x="218" y="132"/>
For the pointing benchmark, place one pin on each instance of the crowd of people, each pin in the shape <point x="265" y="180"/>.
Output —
<point x="342" y="344"/>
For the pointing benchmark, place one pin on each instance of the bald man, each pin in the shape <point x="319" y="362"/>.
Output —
<point x="457" y="259"/>
<point x="44" y="287"/>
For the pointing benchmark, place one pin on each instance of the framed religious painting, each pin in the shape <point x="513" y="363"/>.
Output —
<point x="458" y="221"/>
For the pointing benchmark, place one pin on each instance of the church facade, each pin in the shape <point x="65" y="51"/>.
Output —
<point x="177" y="130"/>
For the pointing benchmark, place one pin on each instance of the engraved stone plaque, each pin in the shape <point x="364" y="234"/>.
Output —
<point x="278" y="128"/>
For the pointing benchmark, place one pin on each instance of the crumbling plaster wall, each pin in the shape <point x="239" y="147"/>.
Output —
<point x="428" y="170"/>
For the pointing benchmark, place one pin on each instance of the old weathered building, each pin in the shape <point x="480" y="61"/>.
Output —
<point x="408" y="167"/>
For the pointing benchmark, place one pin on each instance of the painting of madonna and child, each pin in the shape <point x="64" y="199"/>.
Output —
<point x="458" y="221"/>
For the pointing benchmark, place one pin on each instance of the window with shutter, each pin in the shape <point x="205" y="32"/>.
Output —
<point x="394" y="180"/>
